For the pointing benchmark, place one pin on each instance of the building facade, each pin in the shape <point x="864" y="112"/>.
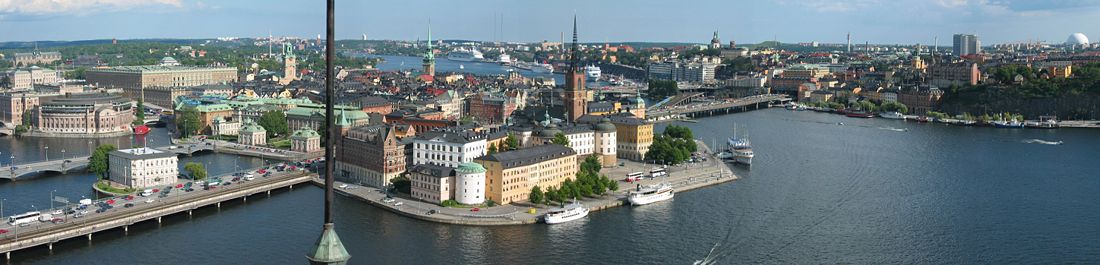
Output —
<point x="371" y="155"/>
<point x="512" y="174"/>
<point x="634" y="137"/>
<point x="135" y="81"/>
<point x="946" y="75"/>
<point x="448" y="148"/>
<point x="305" y="140"/>
<point x="966" y="44"/>
<point x="36" y="57"/>
<point x="26" y="78"/>
<point x="90" y="113"/>
<point x="432" y="183"/>
<point x="469" y="188"/>
<point x="252" y="134"/>
<point x="14" y="104"/>
<point x="143" y="167"/>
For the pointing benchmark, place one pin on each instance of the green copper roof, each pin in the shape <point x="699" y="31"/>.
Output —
<point x="250" y="126"/>
<point x="305" y="132"/>
<point x="213" y="107"/>
<point x="468" y="168"/>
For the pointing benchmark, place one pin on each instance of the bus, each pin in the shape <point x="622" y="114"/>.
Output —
<point x="632" y="177"/>
<point x="25" y="218"/>
<point x="657" y="172"/>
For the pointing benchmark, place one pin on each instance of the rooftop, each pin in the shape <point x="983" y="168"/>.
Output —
<point x="529" y="156"/>
<point x="157" y="69"/>
<point x="141" y="153"/>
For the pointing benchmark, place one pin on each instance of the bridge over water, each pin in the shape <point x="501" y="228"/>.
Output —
<point x="81" y="162"/>
<point x="687" y="108"/>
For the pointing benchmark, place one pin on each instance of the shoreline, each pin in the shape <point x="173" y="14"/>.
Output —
<point x="687" y="177"/>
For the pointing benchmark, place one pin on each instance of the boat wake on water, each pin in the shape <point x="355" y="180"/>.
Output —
<point x="1038" y="141"/>
<point x="894" y="129"/>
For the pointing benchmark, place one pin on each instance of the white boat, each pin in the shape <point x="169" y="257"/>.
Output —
<point x="593" y="72"/>
<point x="464" y="55"/>
<point x="741" y="149"/>
<point x="461" y="66"/>
<point x="651" y="194"/>
<point x="724" y="155"/>
<point x="505" y="59"/>
<point x="893" y="115"/>
<point x="542" y="68"/>
<point x="568" y="213"/>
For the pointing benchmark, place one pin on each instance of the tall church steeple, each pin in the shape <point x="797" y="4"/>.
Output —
<point x="429" y="56"/>
<point x="576" y="98"/>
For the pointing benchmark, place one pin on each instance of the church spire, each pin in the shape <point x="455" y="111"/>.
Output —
<point x="574" y="57"/>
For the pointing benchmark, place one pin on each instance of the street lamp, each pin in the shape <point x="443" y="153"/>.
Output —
<point x="47" y="153"/>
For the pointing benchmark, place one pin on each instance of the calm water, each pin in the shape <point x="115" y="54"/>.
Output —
<point x="862" y="192"/>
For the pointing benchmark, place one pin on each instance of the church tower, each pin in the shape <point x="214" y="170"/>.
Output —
<point x="290" y="64"/>
<point x="715" y="42"/>
<point x="429" y="56"/>
<point x="576" y="98"/>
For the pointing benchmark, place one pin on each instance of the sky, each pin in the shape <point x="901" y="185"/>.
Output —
<point x="745" y="21"/>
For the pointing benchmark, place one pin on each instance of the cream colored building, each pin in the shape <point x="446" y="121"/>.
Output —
<point x="252" y="134"/>
<point x="432" y="183"/>
<point x="512" y="174"/>
<point x="305" y="140"/>
<point x="143" y="167"/>
<point x="87" y="113"/>
<point x="136" y="81"/>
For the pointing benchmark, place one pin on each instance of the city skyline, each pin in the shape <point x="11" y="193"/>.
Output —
<point x="870" y="21"/>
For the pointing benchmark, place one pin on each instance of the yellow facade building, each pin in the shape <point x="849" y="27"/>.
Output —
<point x="511" y="175"/>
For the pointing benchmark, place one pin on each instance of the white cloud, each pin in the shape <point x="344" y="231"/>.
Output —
<point x="47" y="7"/>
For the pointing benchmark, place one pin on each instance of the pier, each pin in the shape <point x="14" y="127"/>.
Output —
<point x="178" y="202"/>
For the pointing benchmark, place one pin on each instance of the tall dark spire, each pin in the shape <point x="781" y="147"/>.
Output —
<point x="574" y="58"/>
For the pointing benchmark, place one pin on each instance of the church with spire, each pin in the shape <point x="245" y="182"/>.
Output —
<point x="429" y="55"/>
<point x="576" y="98"/>
<point x="290" y="65"/>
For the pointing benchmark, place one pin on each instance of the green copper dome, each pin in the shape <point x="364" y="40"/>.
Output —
<point x="469" y="168"/>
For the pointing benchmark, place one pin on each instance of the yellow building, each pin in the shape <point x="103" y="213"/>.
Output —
<point x="1060" y="71"/>
<point x="512" y="174"/>
<point x="634" y="136"/>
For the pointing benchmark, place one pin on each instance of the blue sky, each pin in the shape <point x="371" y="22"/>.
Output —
<point x="875" y="21"/>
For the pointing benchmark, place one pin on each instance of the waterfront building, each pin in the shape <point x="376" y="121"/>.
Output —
<point x="512" y="174"/>
<point x="753" y="81"/>
<point x="305" y="140"/>
<point x="696" y="70"/>
<point x="222" y="126"/>
<point x="469" y="185"/>
<point x="252" y="134"/>
<point x="432" y="183"/>
<point x="87" y="113"/>
<point x="143" y="167"/>
<point x="27" y="78"/>
<point x="966" y="44"/>
<point x="371" y="155"/>
<point x="633" y="135"/>
<point x="921" y="99"/>
<point x="156" y="84"/>
<point x="14" y="104"/>
<point x="35" y="57"/>
<point x="948" y="74"/>
<point x="576" y="98"/>
<point x="448" y="147"/>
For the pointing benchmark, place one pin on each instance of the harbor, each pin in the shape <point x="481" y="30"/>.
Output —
<point x="686" y="177"/>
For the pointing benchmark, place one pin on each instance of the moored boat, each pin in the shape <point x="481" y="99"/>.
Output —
<point x="141" y="129"/>
<point x="859" y="114"/>
<point x="651" y="194"/>
<point x="1008" y="124"/>
<point x="570" y="212"/>
<point x="893" y="115"/>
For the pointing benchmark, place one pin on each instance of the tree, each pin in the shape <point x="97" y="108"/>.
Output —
<point x="492" y="149"/>
<point x="660" y="89"/>
<point x="139" y="114"/>
<point x="402" y="184"/>
<point x="613" y="185"/>
<point x="274" y="122"/>
<point x="27" y="118"/>
<point x="894" y="106"/>
<point x="511" y="143"/>
<point x="187" y="121"/>
<point x="552" y="194"/>
<point x="196" y="170"/>
<point x="591" y="165"/>
<point x="99" y="163"/>
<point x="466" y="120"/>
<point x="560" y="139"/>
<point x="536" y="195"/>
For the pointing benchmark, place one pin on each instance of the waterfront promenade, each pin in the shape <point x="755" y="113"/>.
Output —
<point x="683" y="178"/>
<point x="15" y="238"/>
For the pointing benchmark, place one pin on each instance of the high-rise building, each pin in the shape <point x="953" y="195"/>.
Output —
<point x="576" y="99"/>
<point x="429" y="55"/>
<point x="967" y="44"/>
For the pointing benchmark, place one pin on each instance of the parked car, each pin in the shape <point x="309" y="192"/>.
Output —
<point x="2" y="231"/>
<point x="129" y="204"/>
<point x="398" y="204"/>
<point x="388" y="200"/>
<point x="475" y="209"/>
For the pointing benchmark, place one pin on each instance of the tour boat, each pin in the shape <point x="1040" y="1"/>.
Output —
<point x="651" y="194"/>
<point x="741" y="149"/>
<point x="1008" y="124"/>
<point x="141" y="129"/>
<point x="893" y="115"/>
<point x="542" y="68"/>
<point x="505" y="59"/>
<point x="463" y="55"/>
<point x="568" y="213"/>
<point x="593" y="72"/>
<point x="859" y="114"/>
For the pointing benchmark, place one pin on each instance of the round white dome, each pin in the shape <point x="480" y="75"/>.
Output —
<point x="1077" y="39"/>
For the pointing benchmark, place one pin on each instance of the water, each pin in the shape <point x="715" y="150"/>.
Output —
<point x="818" y="192"/>
<point x="444" y="65"/>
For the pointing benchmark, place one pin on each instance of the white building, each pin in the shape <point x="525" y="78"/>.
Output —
<point x="23" y="78"/>
<point x="223" y="127"/>
<point x="581" y="138"/>
<point x="469" y="186"/>
<point x="447" y="148"/>
<point x="143" y="167"/>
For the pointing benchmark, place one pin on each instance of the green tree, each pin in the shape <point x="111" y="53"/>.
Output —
<point x="28" y="118"/>
<point x="894" y="106"/>
<point x="139" y="114"/>
<point x="612" y="185"/>
<point x="466" y="120"/>
<point x="492" y="149"/>
<point x="98" y="163"/>
<point x="187" y="121"/>
<point x="552" y="194"/>
<point x="591" y="165"/>
<point x="511" y="143"/>
<point x="536" y="195"/>
<point x="196" y="170"/>
<point x="560" y="139"/>
<point x="274" y="122"/>
<point x="660" y="89"/>
<point x="402" y="184"/>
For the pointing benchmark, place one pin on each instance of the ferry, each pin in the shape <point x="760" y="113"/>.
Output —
<point x="651" y="194"/>
<point x="1008" y="124"/>
<point x="893" y="115"/>
<point x="463" y="55"/>
<point x="505" y="59"/>
<point x="741" y="149"/>
<point x="593" y="72"/>
<point x="568" y="213"/>
<point x="542" y="68"/>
